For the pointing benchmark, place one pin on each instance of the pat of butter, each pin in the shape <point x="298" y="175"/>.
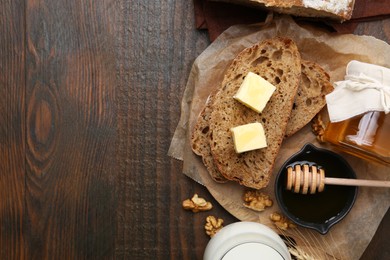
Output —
<point x="248" y="137"/>
<point x="255" y="92"/>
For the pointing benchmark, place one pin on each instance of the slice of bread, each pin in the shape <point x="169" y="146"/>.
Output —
<point x="278" y="61"/>
<point x="200" y="142"/>
<point x="310" y="98"/>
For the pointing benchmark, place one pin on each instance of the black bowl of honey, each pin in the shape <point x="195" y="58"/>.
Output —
<point x="321" y="210"/>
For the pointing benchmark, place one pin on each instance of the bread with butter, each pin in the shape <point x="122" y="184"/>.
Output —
<point x="278" y="61"/>
<point x="310" y="99"/>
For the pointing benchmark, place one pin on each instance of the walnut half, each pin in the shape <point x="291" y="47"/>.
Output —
<point x="197" y="204"/>
<point x="256" y="200"/>
<point x="281" y="221"/>
<point x="213" y="225"/>
<point x="318" y="127"/>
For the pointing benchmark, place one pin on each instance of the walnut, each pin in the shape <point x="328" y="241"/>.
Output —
<point x="281" y="221"/>
<point x="213" y="225"/>
<point x="256" y="200"/>
<point x="197" y="204"/>
<point x="318" y="127"/>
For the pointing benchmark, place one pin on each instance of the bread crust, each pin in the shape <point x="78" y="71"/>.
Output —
<point x="278" y="61"/>
<point x="298" y="8"/>
<point x="200" y="143"/>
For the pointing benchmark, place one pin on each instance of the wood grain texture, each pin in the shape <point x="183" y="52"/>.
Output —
<point x="379" y="29"/>
<point x="90" y="96"/>
<point x="157" y="44"/>
<point x="65" y="191"/>
<point x="12" y="130"/>
<point x="70" y="176"/>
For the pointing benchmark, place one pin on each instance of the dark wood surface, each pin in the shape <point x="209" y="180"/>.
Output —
<point x="90" y="96"/>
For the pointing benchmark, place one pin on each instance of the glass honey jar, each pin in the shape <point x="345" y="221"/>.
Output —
<point x="366" y="136"/>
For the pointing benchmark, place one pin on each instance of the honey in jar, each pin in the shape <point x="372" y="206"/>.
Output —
<point x="366" y="136"/>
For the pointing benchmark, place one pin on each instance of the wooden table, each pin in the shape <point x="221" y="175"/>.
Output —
<point x="90" y="96"/>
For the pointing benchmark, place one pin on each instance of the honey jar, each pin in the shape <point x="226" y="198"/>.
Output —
<point x="366" y="136"/>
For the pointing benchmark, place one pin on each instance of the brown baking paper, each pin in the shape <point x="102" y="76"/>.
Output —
<point x="347" y="239"/>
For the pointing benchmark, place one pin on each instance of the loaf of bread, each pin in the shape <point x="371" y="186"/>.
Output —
<point x="278" y="61"/>
<point x="340" y="10"/>
<point x="310" y="99"/>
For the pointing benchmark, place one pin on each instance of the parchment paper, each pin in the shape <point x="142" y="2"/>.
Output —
<point x="347" y="239"/>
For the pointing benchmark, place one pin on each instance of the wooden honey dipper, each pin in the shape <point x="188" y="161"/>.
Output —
<point x="304" y="178"/>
